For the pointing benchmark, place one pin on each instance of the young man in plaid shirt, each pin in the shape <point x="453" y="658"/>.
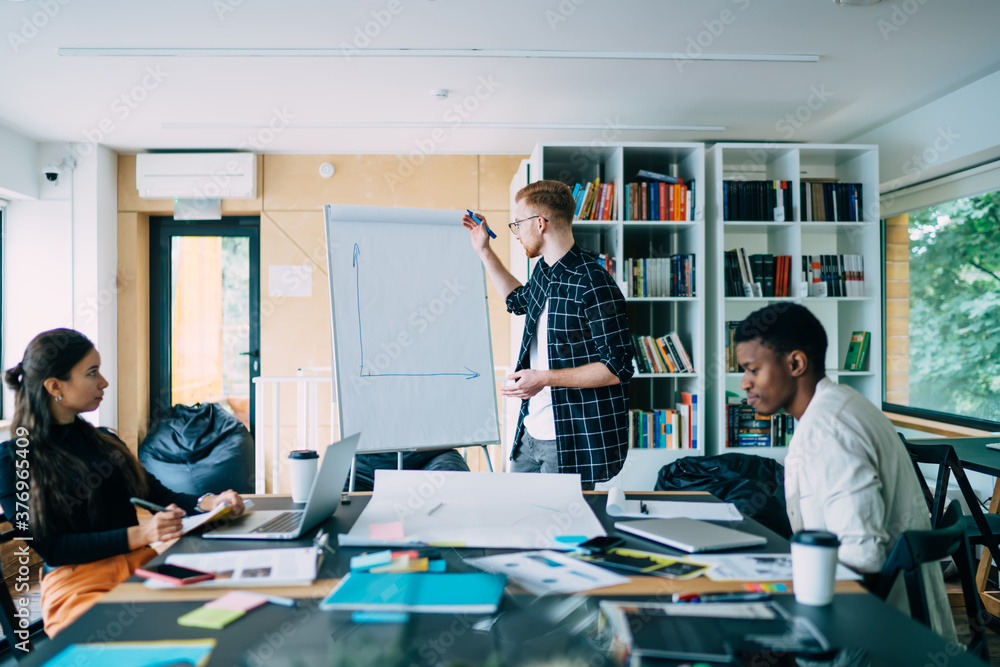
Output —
<point x="576" y="355"/>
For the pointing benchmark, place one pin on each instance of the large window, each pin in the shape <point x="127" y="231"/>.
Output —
<point x="943" y="310"/>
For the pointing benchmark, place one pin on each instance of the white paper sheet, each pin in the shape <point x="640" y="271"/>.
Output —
<point x="544" y="572"/>
<point x="189" y="523"/>
<point x="256" y="567"/>
<point x="759" y="567"/>
<point x="476" y="510"/>
<point x="669" y="509"/>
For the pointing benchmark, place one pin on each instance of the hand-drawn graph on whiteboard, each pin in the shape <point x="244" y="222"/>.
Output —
<point x="412" y="358"/>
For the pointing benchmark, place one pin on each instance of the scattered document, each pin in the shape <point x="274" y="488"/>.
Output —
<point x="669" y="509"/>
<point x="544" y="572"/>
<point x="136" y="654"/>
<point x="474" y="510"/>
<point x="257" y="567"/>
<point x="759" y="567"/>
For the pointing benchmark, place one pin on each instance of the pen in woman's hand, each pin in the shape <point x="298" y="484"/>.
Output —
<point x="146" y="505"/>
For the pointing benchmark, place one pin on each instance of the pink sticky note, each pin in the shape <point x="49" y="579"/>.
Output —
<point x="386" y="531"/>
<point x="238" y="601"/>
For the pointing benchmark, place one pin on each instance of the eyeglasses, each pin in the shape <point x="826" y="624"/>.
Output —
<point x="513" y="225"/>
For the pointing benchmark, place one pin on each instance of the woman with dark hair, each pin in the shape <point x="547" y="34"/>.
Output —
<point x="67" y="484"/>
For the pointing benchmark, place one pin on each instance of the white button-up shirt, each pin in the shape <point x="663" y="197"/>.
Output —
<point x="847" y="472"/>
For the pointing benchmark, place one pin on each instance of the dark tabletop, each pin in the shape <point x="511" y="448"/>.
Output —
<point x="972" y="452"/>
<point x="525" y="628"/>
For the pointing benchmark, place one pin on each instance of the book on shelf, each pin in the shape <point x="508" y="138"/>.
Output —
<point x="595" y="201"/>
<point x="646" y="175"/>
<point x="857" y="351"/>
<point x="732" y="365"/>
<point x="665" y="354"/>
<point x="668" y="428"/>
<point x="659" y="200"/>
<point x="672" y="276"/>
<point x="834" y="275"/>
<point x="828" y="200"/>
<point x="756" y="201"/>
<point x="758" y="275"/>
<point x="745" y="427"/>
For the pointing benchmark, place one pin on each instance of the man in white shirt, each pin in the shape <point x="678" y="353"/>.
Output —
<point x="847" y="472"/>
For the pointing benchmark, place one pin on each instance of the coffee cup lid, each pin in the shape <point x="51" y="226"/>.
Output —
<point x="303" y="454"/>
<point x="819" y="538"/>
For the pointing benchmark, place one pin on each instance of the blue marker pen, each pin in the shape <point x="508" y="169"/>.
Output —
<point x="476" y="217"/>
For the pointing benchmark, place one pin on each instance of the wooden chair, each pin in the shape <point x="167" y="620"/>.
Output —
<point x="916" y="547"/>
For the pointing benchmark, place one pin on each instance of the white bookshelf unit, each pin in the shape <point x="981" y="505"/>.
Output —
<point x="795" y="236"/>
<point x="618" y="163"/>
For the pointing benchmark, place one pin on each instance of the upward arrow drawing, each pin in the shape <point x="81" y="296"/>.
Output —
<point x="469" y="374"/>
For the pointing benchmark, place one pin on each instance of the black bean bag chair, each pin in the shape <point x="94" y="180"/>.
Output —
<point x="432" y="459"/>
<point x="755" y="484"/>
<point x="199" y="449"/>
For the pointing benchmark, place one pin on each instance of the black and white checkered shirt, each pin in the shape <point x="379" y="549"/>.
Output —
<point x="586" y="323"/>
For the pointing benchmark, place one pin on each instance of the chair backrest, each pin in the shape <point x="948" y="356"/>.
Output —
<point x="9" y="621"/>
<point x="917" y="547"/>
<point x="928" y="494"/>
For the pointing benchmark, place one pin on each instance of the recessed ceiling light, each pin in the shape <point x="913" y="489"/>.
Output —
<point x="469" y="125"/>
<point x="855" y="3"/>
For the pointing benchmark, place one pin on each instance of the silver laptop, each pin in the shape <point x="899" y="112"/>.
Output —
<point x="324" y="497"/>
<point x="690" y="535"/>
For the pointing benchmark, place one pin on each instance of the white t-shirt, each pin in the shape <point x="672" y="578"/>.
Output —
<point x="540" y="421"/>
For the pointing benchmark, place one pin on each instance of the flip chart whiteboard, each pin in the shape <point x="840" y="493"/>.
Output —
<point x="412" y="357"/>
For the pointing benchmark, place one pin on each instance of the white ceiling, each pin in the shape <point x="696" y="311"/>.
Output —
<point x="875" y="64"/>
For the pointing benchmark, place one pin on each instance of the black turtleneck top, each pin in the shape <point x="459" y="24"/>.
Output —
<point x="100" y="533"/>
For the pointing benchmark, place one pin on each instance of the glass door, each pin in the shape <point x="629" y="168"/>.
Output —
<point x="204" y="307"/>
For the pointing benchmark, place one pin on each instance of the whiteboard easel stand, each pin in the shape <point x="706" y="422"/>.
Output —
<point x="399" y="462"/>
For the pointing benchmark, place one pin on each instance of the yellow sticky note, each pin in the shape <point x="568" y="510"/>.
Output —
<point x="213" y="618"/>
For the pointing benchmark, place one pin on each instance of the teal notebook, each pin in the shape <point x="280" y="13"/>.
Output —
<point x="444" y="593"/>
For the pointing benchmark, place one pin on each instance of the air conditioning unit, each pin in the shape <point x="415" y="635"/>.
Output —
<point x="196" y="175"/>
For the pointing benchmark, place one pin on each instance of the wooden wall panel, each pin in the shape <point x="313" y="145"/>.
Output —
<point x="293" y="183"/>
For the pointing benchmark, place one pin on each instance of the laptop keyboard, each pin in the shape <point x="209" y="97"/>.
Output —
<point x="283" y="523"/>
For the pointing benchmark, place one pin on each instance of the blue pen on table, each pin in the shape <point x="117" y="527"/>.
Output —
<point x="476" y="217"/>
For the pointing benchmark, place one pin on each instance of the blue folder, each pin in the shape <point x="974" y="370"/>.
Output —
<point x="444" y="593"/>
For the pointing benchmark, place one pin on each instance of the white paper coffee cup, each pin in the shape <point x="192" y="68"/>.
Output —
<point x="302" y="466"/>
<point x="814" y="566"/>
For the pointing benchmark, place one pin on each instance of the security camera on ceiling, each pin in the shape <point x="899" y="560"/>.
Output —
<point x="57" y="167"/>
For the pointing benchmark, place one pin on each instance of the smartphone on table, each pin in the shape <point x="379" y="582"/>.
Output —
<point x="174" y="574"/>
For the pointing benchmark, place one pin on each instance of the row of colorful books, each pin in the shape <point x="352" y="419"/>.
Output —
<point x="757" y="275"/>
<point x="756" y="200"/>
<point x="665" y="354"/>
<point x="826" y="200"/>
<point x="745" y="427"/>
<point x="657" y="200"/>
<point x="675" y="428"/>
<point x="834" y="275"/>
<point x="595" y="201"/>
<point x="660" y="276"/>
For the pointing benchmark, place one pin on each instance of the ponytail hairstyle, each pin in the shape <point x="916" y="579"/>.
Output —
<point x="59" y="479"/>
